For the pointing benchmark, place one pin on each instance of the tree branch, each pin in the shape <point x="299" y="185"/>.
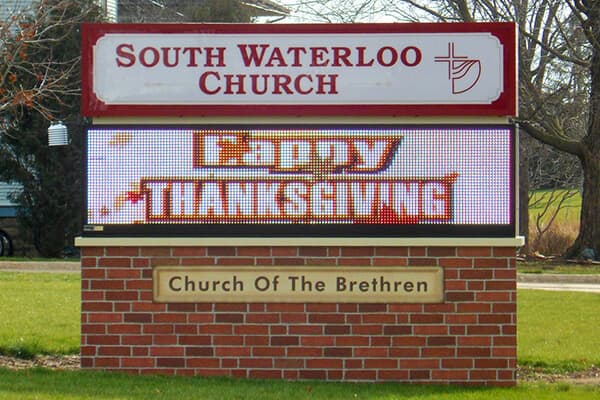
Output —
<point x="535" y="131"/>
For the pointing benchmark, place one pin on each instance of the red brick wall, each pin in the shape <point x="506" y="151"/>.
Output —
<point x="468" y="339"/>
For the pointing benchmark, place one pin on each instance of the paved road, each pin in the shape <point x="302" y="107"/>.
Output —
<point x="558" y="286"/>
<point x="40" y="266"/>
<point x="564" y="282"/>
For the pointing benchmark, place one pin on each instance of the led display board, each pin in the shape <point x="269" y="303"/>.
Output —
<point x="423" y="69"/>
<point x="337" y="180"/>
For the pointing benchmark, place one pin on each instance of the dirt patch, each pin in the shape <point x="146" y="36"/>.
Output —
<point x="587" y="377"/>
<point x="51" y="362"/>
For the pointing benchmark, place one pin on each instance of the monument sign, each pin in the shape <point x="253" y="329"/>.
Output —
<point x="332" y="202"/>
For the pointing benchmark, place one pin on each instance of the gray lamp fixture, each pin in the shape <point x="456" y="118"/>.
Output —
<point x="58" y="135"/>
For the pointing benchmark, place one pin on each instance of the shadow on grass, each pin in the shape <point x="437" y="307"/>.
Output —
<point x="24" y="352"/>
<point x="559" y="367"/>
<point x="30" y="349"/>
<point x="45" y="384"/>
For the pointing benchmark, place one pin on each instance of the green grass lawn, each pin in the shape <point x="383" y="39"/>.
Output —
<point x="550" y="268"/>
<point x="40" y="314"/>
<point x="568" y="213"/>
<point x="52" y="385"/>
<point x="558" y="330"/>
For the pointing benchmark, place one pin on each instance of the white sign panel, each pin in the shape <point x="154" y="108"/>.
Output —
<point x="298" y="69"/>
<point x="375" y="69"/>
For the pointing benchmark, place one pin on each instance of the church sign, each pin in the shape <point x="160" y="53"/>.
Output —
<point x="251" y="69"/>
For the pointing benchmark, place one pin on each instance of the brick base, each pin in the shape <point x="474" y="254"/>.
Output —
<point x="468" y="339"/>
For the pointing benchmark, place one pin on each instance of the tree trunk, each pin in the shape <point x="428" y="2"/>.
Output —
<point x="589" y="229"/>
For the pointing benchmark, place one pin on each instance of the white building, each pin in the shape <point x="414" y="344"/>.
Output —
<point x="112" y="8"/>
<point x="174" y="10"/>
<point x="11" y="7"/>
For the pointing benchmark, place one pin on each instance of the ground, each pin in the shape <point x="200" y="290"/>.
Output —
<point x="51" y="362"/>
<point x="589" y="377"/>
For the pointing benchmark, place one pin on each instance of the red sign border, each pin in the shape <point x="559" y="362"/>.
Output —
<point x="505" y="105"/>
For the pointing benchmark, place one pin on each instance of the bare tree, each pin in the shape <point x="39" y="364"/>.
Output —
<point x="39" y="81"/>
<point x="559" y="68"/>
<point x="559" y="83"/>
<point x="198" y="10"/>
<point x="336" y="10"/>
<point x="555" y="181"/>
<point x="26" y="80"/>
